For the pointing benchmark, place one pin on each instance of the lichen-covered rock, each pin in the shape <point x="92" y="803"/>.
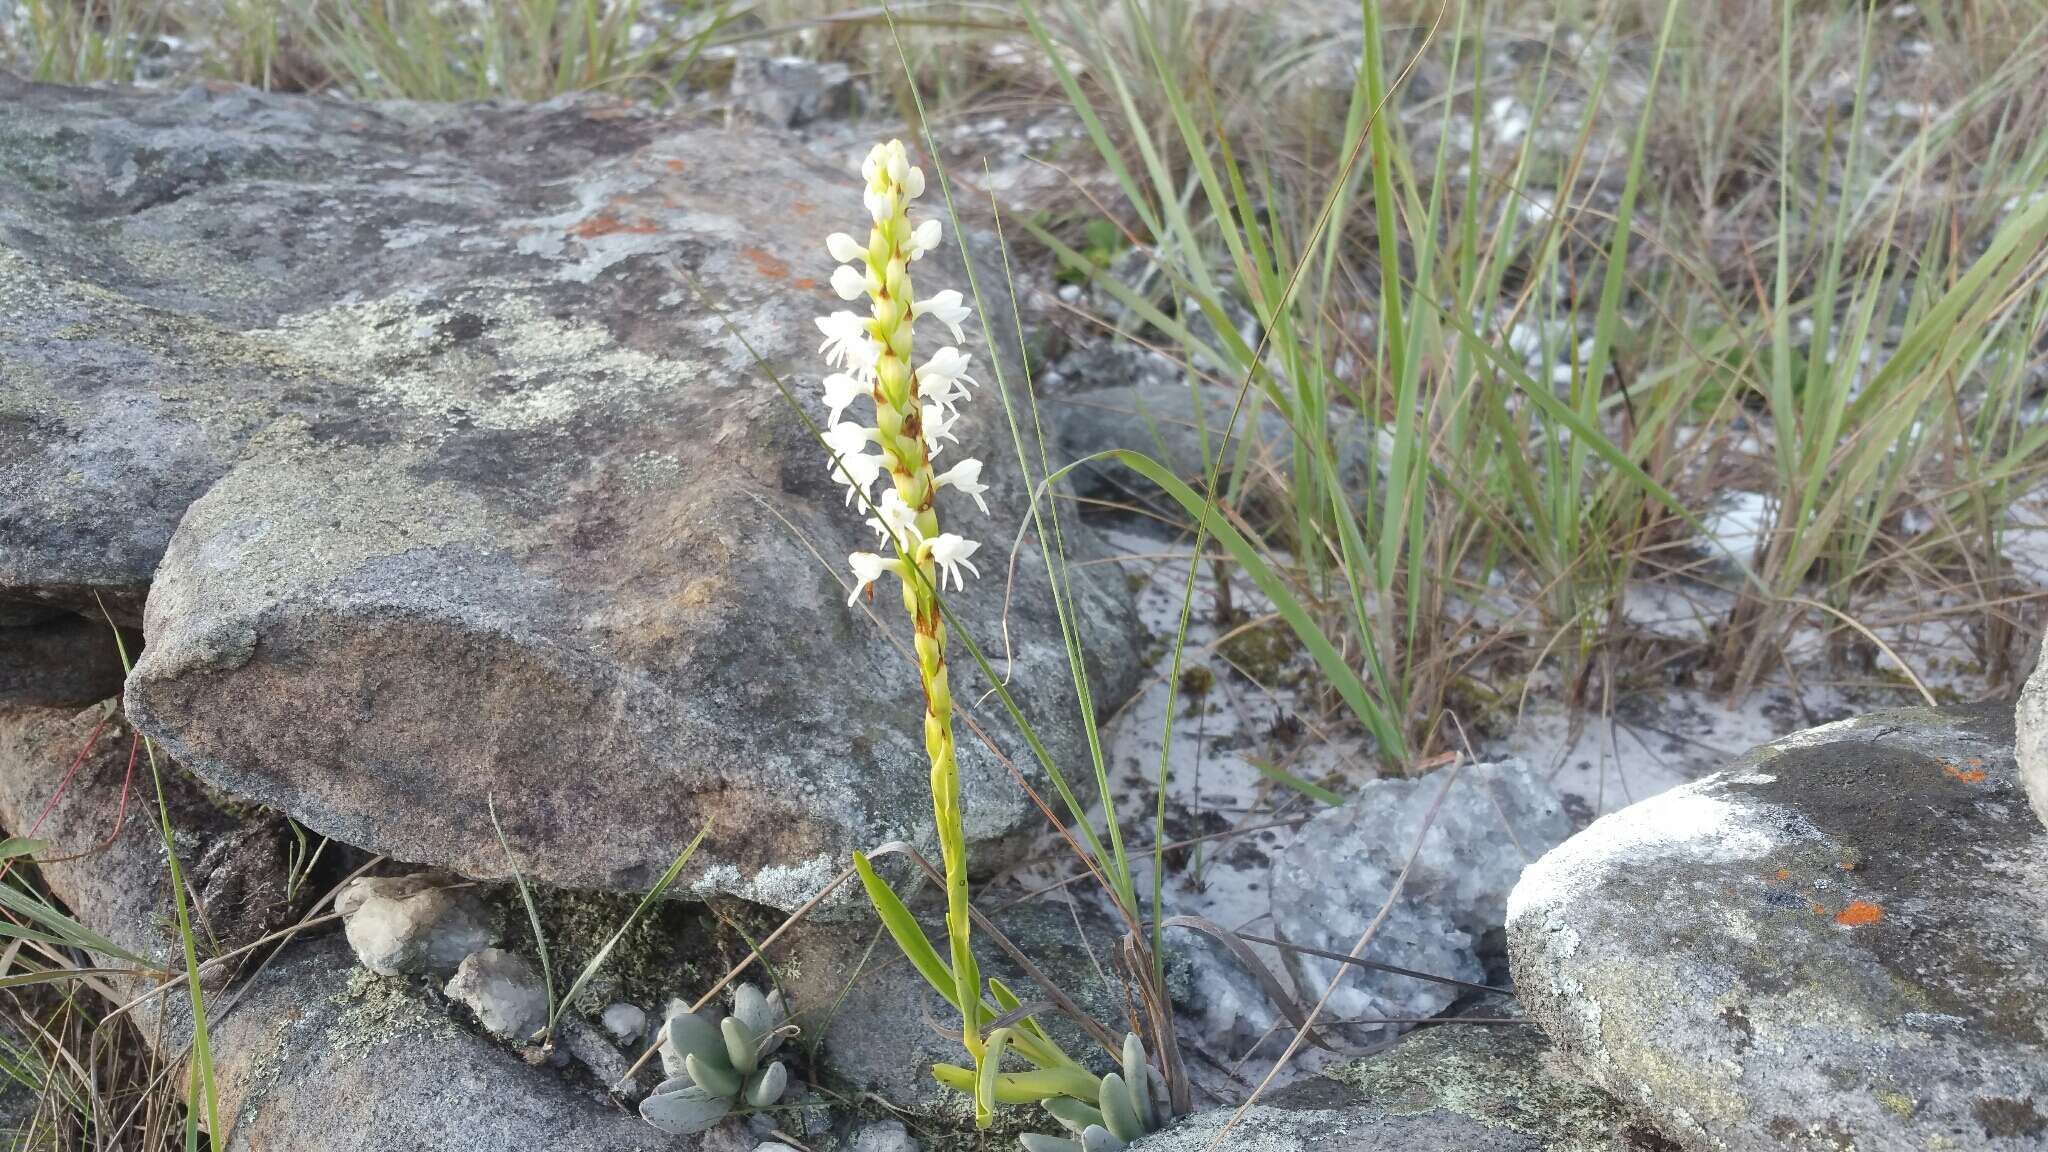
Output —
<point x="2030" y="719"/>
<point x="1837" y="942"/>
<point x="417" y="923"/>
<point x="1454" y="1088"/>
<point x="1329" y="884"/>
<point x="434" y="438"/>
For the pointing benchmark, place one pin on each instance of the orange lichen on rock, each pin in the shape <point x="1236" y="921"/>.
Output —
<point x="1966" y="775"/>
<point x="606" y="224"/>
<point x="1858" y="913"/>
<point x="767" y="264"/>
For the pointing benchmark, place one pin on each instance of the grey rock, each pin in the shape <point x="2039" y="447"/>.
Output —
<point x="2030" y="720"/>
<point x="882" y="1136"/>
<point x="505" y="992"/>
<point x="880" y="1027"/>
<point x="1452" y="1088"/>
<point x="423" y="922"/>
<point x="1328" y="885"/>
<point x="1127" y="397"/>
<point x="591" y="1048"/>
<point x="316" y="1053"/>
<point x="63" y="778"/>
<point x="309" y="1050"/>
<point x="790" y="91"/>
<point x="627" y="1023"/>
<point x="60" y="660"/>
<point x="1836" y="941"/>
<point x="431" y="471"/>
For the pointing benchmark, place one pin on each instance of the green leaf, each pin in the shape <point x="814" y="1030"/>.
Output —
<point x="908" y="934"/>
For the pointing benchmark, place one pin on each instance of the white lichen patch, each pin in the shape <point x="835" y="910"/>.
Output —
<point x="525" y="369"/>
<point x="1685" y="823"/>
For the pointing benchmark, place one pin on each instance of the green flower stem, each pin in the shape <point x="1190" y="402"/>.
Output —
<point x="899" y="424"/>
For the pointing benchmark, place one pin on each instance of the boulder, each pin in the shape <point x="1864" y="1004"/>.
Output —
<point x="310" y="1051"/>
<point x="79" y="783"/>
<point x="2030" y="720"/>
<point x="318" y="1053"/>
<point x="1452" y="1088"/>
<point x="1328" y="885"/>
<point x="1835" y="942"/>
<point x="443" y="444"/>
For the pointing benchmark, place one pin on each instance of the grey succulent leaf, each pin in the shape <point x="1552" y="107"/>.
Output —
<point x="1140" y="1084"/>
<point x="689" y="1035"/>
<point x="777" y="1016"/>
<point x="684" y="1112"/>
<point x="1033" y="1142"/>
<point x="766" y="1086"/>
<point x="1100" y="1139"/>
<point x="1119" y="1110"/>
<point x="1162" y="1107"/>
<point x="714" y="1076"/>
<point x="751" y="1008"/>
<point x="1076" y="1115"/>
<point x="742" y="1045"/>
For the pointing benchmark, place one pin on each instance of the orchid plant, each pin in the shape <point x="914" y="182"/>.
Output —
<point x="916" y="411"/>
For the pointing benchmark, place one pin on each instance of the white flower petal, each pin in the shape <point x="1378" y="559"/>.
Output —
<point x="914" y="182"/>
<point x="841" y="390"/>
<point x="851" y="283"/>
<point x="948" y="308"/>
<point x="847" y="343"/>
<point x="924" y="238"/>
<point x="845" y="249"/>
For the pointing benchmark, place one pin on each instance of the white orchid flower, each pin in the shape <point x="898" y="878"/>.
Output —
<point x="849" y="282"/>
<point x="965" y="477"/>
<point x="950" y="552"/>
<point x="847" y="343"/>
<point x="948" y="308"/>
<point x="841" y="390"/>
<point x="868" y="568"/>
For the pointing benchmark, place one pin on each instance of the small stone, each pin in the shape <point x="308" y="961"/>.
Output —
<point x="1329" y="884"/>
<point x="626" y="1022"/>
<point x="504" y="991"/>
<point x="424" y="922"/>
<point x="606" y="1063"/>
<point x="883" y="1136"/>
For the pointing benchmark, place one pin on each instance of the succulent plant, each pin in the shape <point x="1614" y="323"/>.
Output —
<point x="718" y="1064"/>
<point x="1132" y="1103"/>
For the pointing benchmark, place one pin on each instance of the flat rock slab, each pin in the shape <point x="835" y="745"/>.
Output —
<point x="433" y="438"/>
<point x="1454" y="1088"/>
<point x="1840" y="941"/>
